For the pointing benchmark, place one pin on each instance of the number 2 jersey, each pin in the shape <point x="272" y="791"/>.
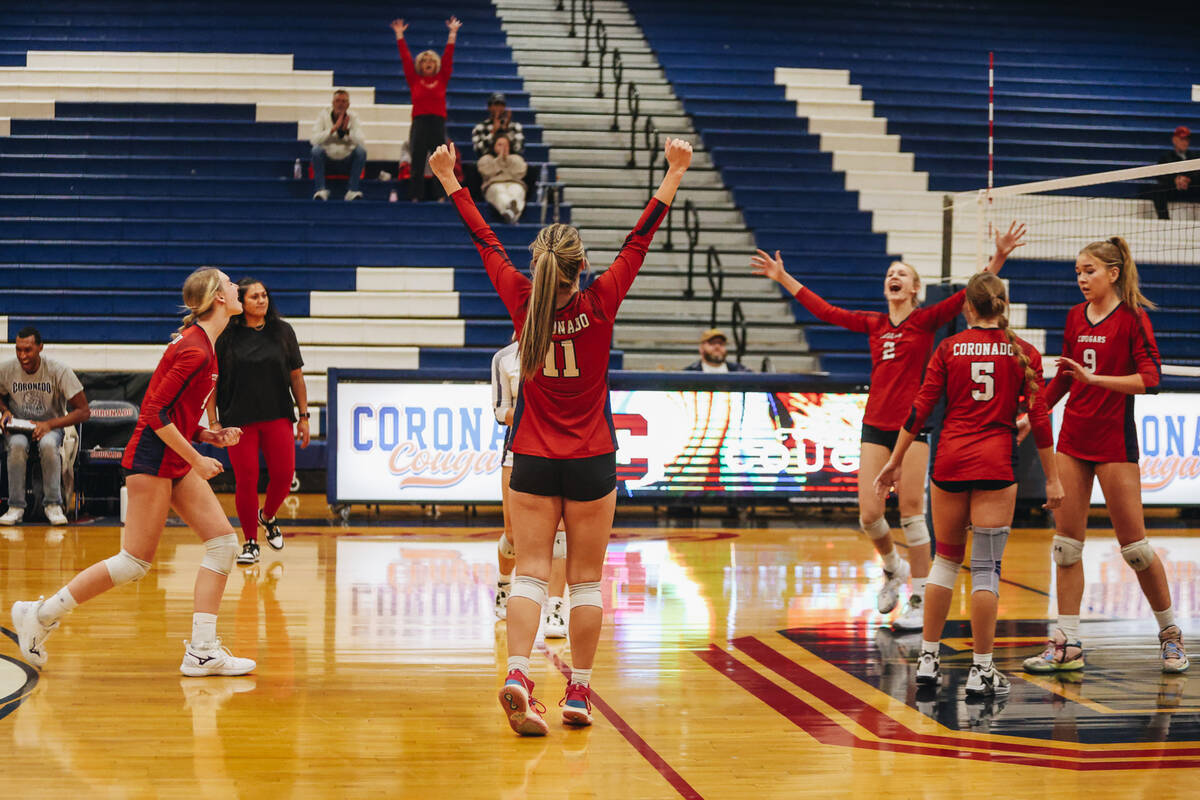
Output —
<point x="178" y="392"/>
<point x="1098" y="424"/>
<point x="898" y="352"/>
<point x="563" y="411"/>
<point x="984" y="383"/>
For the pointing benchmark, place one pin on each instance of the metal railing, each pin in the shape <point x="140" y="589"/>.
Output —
<point x="589" y="15"/>
<point x="716" y="281"/>
<point x="737" y="325"/>
<point x="635" y="102"/>
<point x="618" y="71"/>
<point x="691" y="226"/>
<point x="601" y="50"/>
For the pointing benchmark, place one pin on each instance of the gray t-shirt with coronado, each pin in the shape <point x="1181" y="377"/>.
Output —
<point x="42" y="395"/>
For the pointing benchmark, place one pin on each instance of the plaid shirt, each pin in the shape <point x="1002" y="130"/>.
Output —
<point x="481" y="137"/>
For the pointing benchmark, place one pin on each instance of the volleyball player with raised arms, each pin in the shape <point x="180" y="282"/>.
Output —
<point x="563" y="441"/>
<point x="164" y="471"/>
<point x="1109" y="355"/>
<point x="900" y="341"/>
<point x="983" y="372"/>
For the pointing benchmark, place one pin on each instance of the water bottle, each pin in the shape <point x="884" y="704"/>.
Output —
<point x="296" y="170"/>
<point x="392" y="196"/>
<point x="543" y="179"/>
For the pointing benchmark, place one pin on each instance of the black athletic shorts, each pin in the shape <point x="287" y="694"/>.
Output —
<point x="888" y="438"/>
<point x="579" y="479"/>
<point x="977" y="485"/>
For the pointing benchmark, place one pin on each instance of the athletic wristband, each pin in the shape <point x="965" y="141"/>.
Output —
<point x="305" y="415"/>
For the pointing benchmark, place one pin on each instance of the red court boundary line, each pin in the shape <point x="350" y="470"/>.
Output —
<point x="886" y="727"/>
<point x="639" y="744"/>
<point x="827" y="731"/>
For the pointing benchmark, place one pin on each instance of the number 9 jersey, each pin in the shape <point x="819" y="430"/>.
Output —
<point x="1098" y="424"/>
<point x="563" y="411"/>
<point x="983" y="381"/>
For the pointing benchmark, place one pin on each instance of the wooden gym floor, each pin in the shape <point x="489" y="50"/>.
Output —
<point x="737" y="662"/>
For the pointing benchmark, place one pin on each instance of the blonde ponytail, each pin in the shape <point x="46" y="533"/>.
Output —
<point x="987" y="295"/>
<point x="557" y="258"/>
<point x="200" y="291"/>
<point x="1114" y="253"/>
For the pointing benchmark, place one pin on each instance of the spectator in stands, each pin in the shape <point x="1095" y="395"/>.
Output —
<point x="499" y="122"/>
<point x="503" y="174"/>
<point x="1180" y="186"/>
<point x="427" y="79"/>
<point x="36" y="393"/>
<point x="712" y="355"/>
<point x="337" y="138"/>
<point x="260" y="384"/>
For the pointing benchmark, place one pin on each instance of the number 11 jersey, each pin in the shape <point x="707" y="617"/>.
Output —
<point x="563" y="410"/>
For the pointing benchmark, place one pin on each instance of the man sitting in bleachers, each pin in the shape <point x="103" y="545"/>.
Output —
<point x="712" y="355"/>
<point x="337" y="138"/>
<point x="34" y="395"/>
<point x="1180" y="186"/>
<point x="498" y="123"/>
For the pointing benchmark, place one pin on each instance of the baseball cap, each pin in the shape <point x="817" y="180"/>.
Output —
<point x="1183" y="131"/>
<point x="497" y="97"/>
<point x="713" y="333"/>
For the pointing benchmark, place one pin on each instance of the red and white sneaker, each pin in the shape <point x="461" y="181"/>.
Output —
<point x="577" y="705"/>
<point x="524" y="713"/>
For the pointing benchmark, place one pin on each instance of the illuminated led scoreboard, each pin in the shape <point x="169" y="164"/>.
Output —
<point x="422" y="437"/>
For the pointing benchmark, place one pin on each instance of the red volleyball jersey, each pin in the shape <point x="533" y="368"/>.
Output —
<point x="898" y="352"/>
<point x="563" y="411"/>
<point x="1098" y="424"/>
<point x="428" y="94"/>
<point x="178" y="392"/>
<point x="984" y="385"/>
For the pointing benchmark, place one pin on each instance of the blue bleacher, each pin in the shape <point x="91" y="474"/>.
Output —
<point x="1087" y="93"/>
<point x="110" y="197"/>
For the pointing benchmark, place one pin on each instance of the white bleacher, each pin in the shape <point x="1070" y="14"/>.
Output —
<point x="279" y="92"/>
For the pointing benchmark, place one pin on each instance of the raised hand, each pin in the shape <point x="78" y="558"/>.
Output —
<point x="442" y="161"/>
<point x="399" y="27"/>
<point x="453" y="24"/>
<point x="679" y="155"/>
<point x="1007" y="242"/>
<point x="762" y="264"/>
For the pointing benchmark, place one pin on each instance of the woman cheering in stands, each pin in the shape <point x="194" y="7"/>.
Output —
<point x="900" y="341"/>
<point x="1109" y="355"/>
<point x="260" y="387"/>
<point x="165" y="471"/>
<point x="564" y="448"/>
<point x="985" y="373"/>
<point x="427" y="80"/>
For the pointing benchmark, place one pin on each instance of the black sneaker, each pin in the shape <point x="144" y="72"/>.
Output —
<point x="986" y="681"/>
<point x="249" y="554"/>
<point x="274" y="534"/>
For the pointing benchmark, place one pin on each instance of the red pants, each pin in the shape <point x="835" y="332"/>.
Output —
<point x="274" y="439"/>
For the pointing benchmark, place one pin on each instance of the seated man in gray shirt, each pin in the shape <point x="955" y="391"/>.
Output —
<point x="34" y="395"/>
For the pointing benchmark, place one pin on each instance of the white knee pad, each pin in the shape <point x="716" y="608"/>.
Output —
<point x="505" y="547"/>
<point x="1066" y="551"/>
<point x="944" y="573"/>
<point x="560" y="544"/>
<point x="125" y="568"/>
<point x="987" y="548"/>
<point x="1139" y="554"/>
<point x="529" y="588"/>
<point x="916" y="532"/>
<point x="879" y="529"/>
<point x="586" y="594"/>
<point x="220" y="552"/>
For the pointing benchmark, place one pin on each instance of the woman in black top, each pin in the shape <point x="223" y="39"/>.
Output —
<point x="260" y="381"/>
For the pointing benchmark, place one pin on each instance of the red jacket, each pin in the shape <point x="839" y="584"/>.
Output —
<point x="428" y="94"/>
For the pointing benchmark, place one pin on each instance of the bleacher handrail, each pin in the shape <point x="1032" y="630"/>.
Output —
<point x="589" y="15"/>
<point x="601" y="49"/>
<point x="737" y="327"/>
<point x="635" y="102"/>
<point x="652" y="142"/>
<point x="618" y="71"/>
<point x="715" y="272"/>
<point x="691" y="226"/>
